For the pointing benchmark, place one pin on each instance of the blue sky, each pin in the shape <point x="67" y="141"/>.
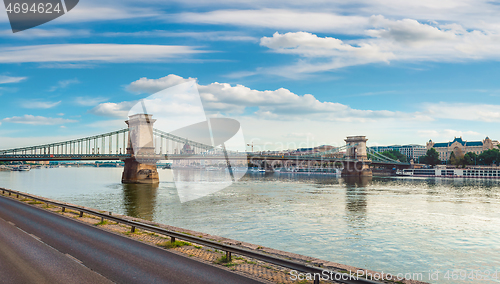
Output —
<point x="293" y="73"/>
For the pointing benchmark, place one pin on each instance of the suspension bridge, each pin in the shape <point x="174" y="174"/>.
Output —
<point x="156" y="145"/>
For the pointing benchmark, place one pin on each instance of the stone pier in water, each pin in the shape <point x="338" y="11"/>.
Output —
<point x="138" y="169"/>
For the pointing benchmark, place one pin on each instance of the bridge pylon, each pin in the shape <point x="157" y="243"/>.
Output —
<point x="356" y="152"/>
<point x="140" y="144"/>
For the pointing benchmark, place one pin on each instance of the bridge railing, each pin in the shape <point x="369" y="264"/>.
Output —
<point x="229" y="249"/>
<point x="63" y="157"/>
<point x="162" y="134"/>
<point x="115" y="142"/>
<point x="87" y="145"/>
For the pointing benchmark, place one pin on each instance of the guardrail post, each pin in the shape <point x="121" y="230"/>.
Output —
<point x="10" y="193"/>
<point x="81" y="213"/>
<point x="132" y="230"/>
<point x="172" y="239"/>
<point x="316" y="279"/>
<point x="63" y="209"/>
<point x="102" y="219"/>
<point x="228" y="256"/>
<point x="17" y="195"/>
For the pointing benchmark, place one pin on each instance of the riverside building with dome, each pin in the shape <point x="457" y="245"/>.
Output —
<point x="458" y="145"/>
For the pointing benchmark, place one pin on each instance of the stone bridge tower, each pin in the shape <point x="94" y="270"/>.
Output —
<point x="359" y="164"/>
<point x="141" y="167"/>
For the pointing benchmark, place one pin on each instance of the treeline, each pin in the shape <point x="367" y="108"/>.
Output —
<point x="488" y="157"/>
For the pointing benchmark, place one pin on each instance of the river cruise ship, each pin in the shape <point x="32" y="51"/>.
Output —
<point x="452" y="173"/>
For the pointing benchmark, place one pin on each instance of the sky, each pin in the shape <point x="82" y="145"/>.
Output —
<point x="293" y="73"/>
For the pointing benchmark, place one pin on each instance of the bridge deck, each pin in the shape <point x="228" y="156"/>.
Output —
<point x="235" y="156"/>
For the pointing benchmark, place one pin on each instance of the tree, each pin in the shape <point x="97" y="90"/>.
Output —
<point x="402" y="158"/>
<point x="470" y="159"/>
<point x="395" y="155"/>
<point x="431" y="157"/>
<point x="389" y="155"/>
<point x="489" y="157"/>
<point x="422" y="160"/>
<point x="457" y="157"/>
<point x="454" y="160"/>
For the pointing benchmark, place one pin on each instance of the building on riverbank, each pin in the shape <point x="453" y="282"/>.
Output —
<point x="459" y="145"/>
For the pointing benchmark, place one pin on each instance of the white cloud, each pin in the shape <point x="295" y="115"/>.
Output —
<point x="66" y="65"/>
<point x="384" y="42"/>
<point x="463" y="111"/>
<point x="458" y="133"/>
<point x="63" y="84"/>
<point x="37" y="120"/>
<point x="339" y="53"/>
<point x="282" y="104"/>
<point x="447" y="134"/>
<point x="335" y="17"/>
<point x="470" y="13"/>
<point x="8" y="79"/>
<point x="40" y="104"/>
<point x="108" y="125"/>
<point x="96" y="11"/>
<point x="89" y="101"/>
<point x="113" y="109"/>
<point x="428" y="133"/>
<point x="94" y="52"/>
<point x="43" y="33"/>
<point x="241" y="74"/>
<point x="277" y="19"/>
<point x="273" y="104"/>
<point x="145" y="85"/>
<point x="411" y="32"/>
<point x="208" y="35"/>
<point x="299" y="135"/>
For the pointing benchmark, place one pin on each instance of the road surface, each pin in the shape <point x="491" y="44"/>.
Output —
<point x="49" y="248"/>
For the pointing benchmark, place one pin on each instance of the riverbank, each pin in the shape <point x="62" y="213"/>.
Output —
<point x="246" y="266"/>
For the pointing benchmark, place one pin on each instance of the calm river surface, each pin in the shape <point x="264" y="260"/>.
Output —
<point x="393" y="225"/>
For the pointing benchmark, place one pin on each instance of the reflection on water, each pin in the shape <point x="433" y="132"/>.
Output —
<point x="192" y="184"/>
<point x="357" y="181"/>
<point x="139" y="200"/>
<point x="394" y="225"/>
<point x="355" y="201"/>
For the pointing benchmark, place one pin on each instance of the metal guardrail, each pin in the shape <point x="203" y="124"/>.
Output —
<point x="229" y="249"/>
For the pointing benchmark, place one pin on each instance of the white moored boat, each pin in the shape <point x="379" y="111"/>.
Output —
<point x="24" y="168"/>
<point x="256" y="170"/>
<point x="452" y="173"/>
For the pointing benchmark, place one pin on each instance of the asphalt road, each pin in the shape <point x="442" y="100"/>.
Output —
<point x="49" y="248"/>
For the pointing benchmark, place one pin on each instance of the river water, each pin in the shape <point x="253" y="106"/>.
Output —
<point x="395" y="225"/>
